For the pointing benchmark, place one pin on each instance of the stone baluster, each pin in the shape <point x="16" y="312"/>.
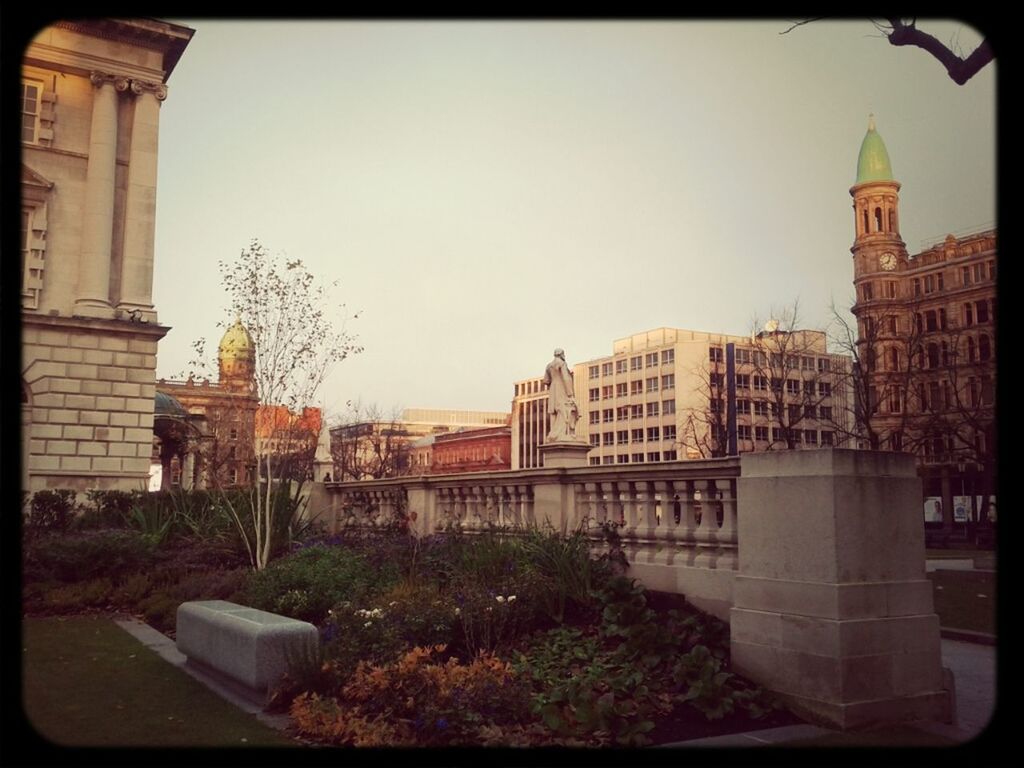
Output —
<point x="707" y="531"/>
<point x="140" y="202"/>
<point x="665" y="535"/>
<point x="727" y="532"/>
<point x="93" y="299"/>
<point x="526" y="492"/>
<point x="646" y="521"/>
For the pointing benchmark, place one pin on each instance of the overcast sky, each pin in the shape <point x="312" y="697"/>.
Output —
<point x="485" y="192"/>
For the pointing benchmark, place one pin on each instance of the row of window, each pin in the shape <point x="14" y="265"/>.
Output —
<point x="935" y="282"/>
<point x="760" y="434"/>
<point x="636" y="363"/>
<point x="635" y="458"/>
<point x="636" y="387"/>
<point x="935" y="396"/>
<point x="626" y="412"/>
<point x="764" y="383"/>
<point x="624" y="436"/>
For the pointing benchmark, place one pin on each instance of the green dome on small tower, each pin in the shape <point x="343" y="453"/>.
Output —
<point x="873" y="162"/>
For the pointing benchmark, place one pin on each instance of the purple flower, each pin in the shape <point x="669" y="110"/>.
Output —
<point x="442" y="723"/>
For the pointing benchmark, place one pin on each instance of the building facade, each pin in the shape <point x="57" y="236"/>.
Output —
<point x="222" y="450"/>
<point x="91" y="94"/>
<point x="926" y="333"/>
<point x="487" y="449"/>
<point x="530" y="422"/>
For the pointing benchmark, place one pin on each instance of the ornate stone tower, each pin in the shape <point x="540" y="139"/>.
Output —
<point x="236" y="359"/>
<point x="878" y="248"/>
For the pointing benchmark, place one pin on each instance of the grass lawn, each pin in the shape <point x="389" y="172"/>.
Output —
<point x="965" y="599"/>
<point x="87" y="682"/>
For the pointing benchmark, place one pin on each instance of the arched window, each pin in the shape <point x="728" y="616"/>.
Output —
<point x="866" y="230"/>
<point x="970" y="349"/>
<point x="878" y="219"/>
<point x="933" y="355"/>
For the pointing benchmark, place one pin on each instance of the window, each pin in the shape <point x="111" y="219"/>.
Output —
<point x="867" y="292"/>
<point x="792" y="387"/>
<point x="621" y="389"/>
<point x="608" y="415"/>
<point x="824" y="365"/>
<point x="652" y="384"/>
<point x="742" y="381"/>
<point x="810" y="412"/>
<point x="929" y="284"/>
<point x="761" y="383"/>
<point x="933" y="355"/>
<point x="965" y="276"/>
<point x="606" y="369"/>
<point x="668" y="356"/>
<point x="794" y="412"/>
<point x="635" y="363"/>
<point x="595" y="460"/>
<point x="776" y="384"/>
<point x="715" y="354"/>
<point x="716" y="404"/>
<point x="31" y="100"/>
<point x="826" y="438"/>
<point x="652" y="359"/>
<point x="942" y="319"/>
<point x="981" y="311"/>
<point x="607" y="459"/>
<point x="890" y="289"/>
<point x="622" y="458"/>
<point x="891" y="323"/>
<point x="636" y="411"/>
<point x="743" y="406"/>
<point x="895" y="400"/>
<point x="233" y="452"/>
<point x="991" y="270"/>
<point x="638" y="458"/>
<point x="595" y="417"/>
<point x="233" y="434"/>
<point x="595" y="439"/>
<point x="935" y="395"/>
<point x="668" y="432"/>
<point x="637" y="435"/>
<point x="233" y="476"/>
<point x="811" y="436"/>
<point x="978" y="272"/>
<point x="759" y="358"/>
<point x="652" y="408"/>
<point x="608" y="438"/>
<point x="717" y="380"/>
<point x="824" y="389"/>
<point x="622" y="436"/>
<point x="595" y="394"/>
<point x="806" y="363"/>
<point x="653" y="434"/>
<point x="825" y="412"/>
<point x="939" y="281"/>
<point x="636" y="387"/>
<point x="594" y="371"/>
<point x="761" y="433"/>
<point x="968" y="313"/>
<point x="654" y="456"/>
<point x="668" y="381"/>
<point x="760" y="408"/>
<point x="984" y="348"/>
<point x="620" y="366"/>
<point x="606" y="392"/>
<point x="743" y="432"/>
<point x="622" y="413"/>
<point x="930" y="321"/>
<point x="895" y="440"/>
<point x="776" y="435"/>
<point x="669" y="456"/>
<point x="917" y="286"/>
<point x="668" y="407"/>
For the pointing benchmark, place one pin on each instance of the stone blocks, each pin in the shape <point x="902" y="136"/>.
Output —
<point x="250" y="646"/>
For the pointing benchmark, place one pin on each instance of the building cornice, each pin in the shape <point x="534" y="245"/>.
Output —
<point x="156" y="332"/>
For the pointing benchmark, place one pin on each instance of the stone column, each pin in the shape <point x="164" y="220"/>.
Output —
<point x="93" y="298"/>
<point x="188" y="468"/>
<point x="140" y="203"/>
<point x="831" y="606"/>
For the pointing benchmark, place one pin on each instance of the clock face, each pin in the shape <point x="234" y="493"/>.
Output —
<point x="888" y="261"/>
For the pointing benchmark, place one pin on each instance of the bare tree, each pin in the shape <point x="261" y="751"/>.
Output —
<point x="295" y="342"/>
<point x="370" y="445"/>
<point x="902" y="32"/>
<point x="704" y="428"/>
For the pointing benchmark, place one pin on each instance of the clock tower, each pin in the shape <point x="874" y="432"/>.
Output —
<point x="879" y="252"/>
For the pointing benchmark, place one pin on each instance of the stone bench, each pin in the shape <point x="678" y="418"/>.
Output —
<point x="250" y="646"/>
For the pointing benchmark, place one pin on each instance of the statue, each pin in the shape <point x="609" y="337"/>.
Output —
<point x="562" y="405"/>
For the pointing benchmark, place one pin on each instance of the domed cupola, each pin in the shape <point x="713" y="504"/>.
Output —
<point x="873" y="161"/>
<point x="236" y="356"/>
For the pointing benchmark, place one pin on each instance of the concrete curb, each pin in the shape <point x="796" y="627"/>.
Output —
<point x="968" y="636"/>
<point x="166" y="648"/>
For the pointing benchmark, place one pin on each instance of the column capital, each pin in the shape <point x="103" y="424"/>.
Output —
<point x="99" y="79"/>
<point x="159" y="90"/>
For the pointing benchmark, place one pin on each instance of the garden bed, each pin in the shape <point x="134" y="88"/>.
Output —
<point x="517" y="639"/>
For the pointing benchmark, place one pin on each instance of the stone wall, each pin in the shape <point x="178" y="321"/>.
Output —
<point x="90" y="387"/>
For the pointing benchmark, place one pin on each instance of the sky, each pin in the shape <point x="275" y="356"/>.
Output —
<point x="483" y="192"/>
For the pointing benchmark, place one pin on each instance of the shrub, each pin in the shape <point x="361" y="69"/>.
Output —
<point x="107" y="509"/>
<point x="87" y="555"/>
<point x="415" y="701"/>
<point x="306" y="584"/>
<point x="75" y="597"/>
<point x="567" y="571"/>
<point x="50" y="511"/>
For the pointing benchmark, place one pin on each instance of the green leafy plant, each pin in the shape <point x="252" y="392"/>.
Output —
<point x="50" y="511"/>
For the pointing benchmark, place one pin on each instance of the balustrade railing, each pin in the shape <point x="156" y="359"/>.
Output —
<point x="678" y="513"/>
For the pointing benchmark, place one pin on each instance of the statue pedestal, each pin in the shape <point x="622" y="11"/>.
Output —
<point x="565" y="454"/>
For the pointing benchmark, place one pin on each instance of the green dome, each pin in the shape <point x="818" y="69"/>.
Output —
<point x="167" y="406"/>
<point x="873" y="162"/>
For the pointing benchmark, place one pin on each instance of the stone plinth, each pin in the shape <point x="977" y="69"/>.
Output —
<point x="565" y="454"/>
<point x="831" y="606"/>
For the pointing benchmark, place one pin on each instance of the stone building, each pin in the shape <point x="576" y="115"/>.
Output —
<point x="91" y="94"/>
<point x="925" y="338"/>
<point x="222" y="450"/>
<point x="487" y="449"/>
<point x="669" y="394"/>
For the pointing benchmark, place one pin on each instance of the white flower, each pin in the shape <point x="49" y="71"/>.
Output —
<point x="511" y="598"/>
<point x="392" y="604"/>
<point x="368" y="624"/>
<point x="500" y="599"/>
<point x="458" y="611"/>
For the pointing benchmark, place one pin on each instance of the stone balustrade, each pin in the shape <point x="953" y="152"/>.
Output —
<point x="815" y="557"/>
